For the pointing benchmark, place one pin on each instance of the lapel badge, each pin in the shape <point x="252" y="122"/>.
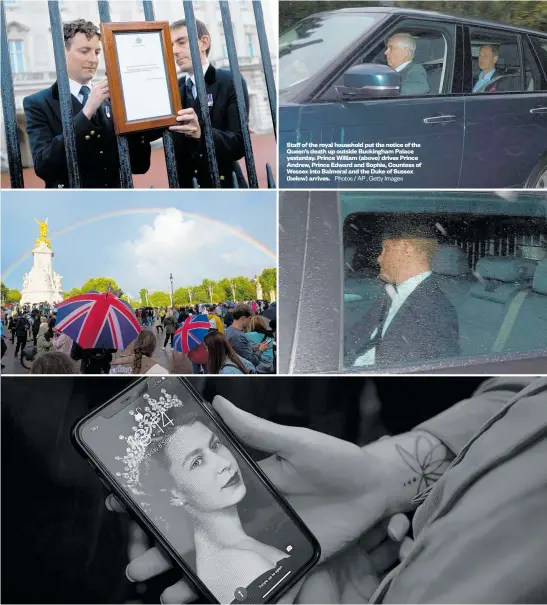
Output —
<point x="209" y="100"/>
<point x="107" y="110"/>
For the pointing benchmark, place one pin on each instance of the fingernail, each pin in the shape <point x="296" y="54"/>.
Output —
<point x="406" y="546"/>
<point x="128" y="576"/>
<point x="397" y="528"/>
<point x="108" y="504"/>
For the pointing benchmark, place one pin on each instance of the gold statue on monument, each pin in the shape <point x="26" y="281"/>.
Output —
<point x="43" y="234"/>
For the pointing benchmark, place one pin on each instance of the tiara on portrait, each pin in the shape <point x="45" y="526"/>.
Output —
<point x="150" y="424"/>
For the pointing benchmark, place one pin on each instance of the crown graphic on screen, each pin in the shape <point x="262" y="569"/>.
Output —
<point x="151" y="422"/>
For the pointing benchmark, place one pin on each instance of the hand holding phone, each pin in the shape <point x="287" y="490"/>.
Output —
<point x="310" y="468"/>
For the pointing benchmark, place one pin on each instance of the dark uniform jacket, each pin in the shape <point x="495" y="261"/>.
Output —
<point x="424" y="328"/>
<point x="190" y="153"/>
<point x="96" y="144"/>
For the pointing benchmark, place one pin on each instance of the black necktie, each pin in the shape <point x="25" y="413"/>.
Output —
<point x="84" y="91"/>
<point x="190" y="88"/>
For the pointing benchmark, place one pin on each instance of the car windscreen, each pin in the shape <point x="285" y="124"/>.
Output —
<point x="305" y="49"/>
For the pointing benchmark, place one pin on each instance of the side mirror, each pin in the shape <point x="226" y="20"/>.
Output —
<point x="369" y="81"/>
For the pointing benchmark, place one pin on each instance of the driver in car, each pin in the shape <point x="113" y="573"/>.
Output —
<point x="399" y="53"/>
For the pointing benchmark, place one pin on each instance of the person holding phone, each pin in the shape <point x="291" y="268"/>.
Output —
<point x="474" y="474"/>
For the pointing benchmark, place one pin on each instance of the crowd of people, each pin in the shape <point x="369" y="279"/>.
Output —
<point x="241" y="340"/>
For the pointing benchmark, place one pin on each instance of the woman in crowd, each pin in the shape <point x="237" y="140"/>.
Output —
<point x="170" y="328"/>
<point x="258" y="333"/>
<point x="140" y="360"/>
<point x="222" y="357"/>
<point x="44" y="339"/>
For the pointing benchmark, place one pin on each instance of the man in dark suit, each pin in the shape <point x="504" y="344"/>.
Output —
<point x="415" y="321"/>
<point x="221" y="99"/>
<point x="96" y="143"/>
<point x="399" y="53"/>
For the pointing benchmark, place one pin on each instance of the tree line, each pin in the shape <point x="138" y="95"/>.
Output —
<point x="234" y="288"/>
<point x="526" y="13"/>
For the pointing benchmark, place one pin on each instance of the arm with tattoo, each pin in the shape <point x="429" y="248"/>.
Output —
<point x="416" y="460"/>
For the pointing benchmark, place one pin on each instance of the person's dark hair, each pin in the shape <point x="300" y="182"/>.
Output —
<point x="241" y="311"/>
<point x="200" y="26"/>
<point x="144" y="345"/>
<point x="219" y="348"/>
<point x="79" y="26"/>
<point x="54" y="362"/>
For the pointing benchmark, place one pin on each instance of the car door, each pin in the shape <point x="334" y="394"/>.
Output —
<point x="505" y="130"/>
<point x="434" y="124"/>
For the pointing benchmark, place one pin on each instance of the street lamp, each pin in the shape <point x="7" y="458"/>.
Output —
<point x="171" y="278"/>
<point x="233" y="290"/>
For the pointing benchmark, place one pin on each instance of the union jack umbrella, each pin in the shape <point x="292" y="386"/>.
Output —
<point x="191" y="334"/>
<point x="98" y="320"/>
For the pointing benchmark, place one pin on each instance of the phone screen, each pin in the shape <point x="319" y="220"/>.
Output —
<point x="210" y="505"/>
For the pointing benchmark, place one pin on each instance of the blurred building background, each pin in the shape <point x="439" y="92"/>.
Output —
<point x="33" y="64"/>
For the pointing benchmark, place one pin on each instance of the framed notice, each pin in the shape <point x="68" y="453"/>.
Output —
<point x="141" y="75"/>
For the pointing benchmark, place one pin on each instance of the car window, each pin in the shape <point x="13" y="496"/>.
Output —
<point x="533" y="77"/>
<point x="305" y="49"/>
<point x="496" y="61"/>
<point x="451" y="280"/>
<point x="429" y="71"/>
<point x="540" y="46"/>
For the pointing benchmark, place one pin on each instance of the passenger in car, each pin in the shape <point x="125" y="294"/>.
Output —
<point x="414" y="321"/>
<point x="399" y="53"/>
<point x="489" y="79"/>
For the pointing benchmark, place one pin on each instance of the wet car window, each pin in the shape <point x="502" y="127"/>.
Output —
<point x="496" y="62"/>
<point x="307" y="48"/>
<point x="461" y="282"/>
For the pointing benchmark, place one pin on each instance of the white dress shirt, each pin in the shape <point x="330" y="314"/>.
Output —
<point x="191" y="78"/>
<point x="75" y="89"/>
<point x="398" y="298"/>
<point x="403" y="65"/>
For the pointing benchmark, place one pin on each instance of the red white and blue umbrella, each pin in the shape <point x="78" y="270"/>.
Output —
<point x="97" y="320"/>
<point x="191" y="334"/>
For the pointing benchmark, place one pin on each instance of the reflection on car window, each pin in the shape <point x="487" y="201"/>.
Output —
<point x="496" y="61"/>
<point x="540" y="46"/>
<point x="435" y="285"/>
<point x="307" y="48"/>
<point x="532" y="75"/>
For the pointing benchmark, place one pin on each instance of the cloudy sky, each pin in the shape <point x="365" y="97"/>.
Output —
<point x="192" y="234"/>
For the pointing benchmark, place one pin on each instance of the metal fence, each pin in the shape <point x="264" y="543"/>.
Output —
<point x="126" y="179"/>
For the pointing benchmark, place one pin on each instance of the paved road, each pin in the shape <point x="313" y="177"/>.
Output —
<point x="264" y="148"/>
<point x="13" y="365"/>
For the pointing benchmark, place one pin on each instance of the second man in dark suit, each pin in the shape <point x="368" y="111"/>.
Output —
<point x="96" y="144"/>
<point x="221" y="100"/>
<point x="415" y="321"/>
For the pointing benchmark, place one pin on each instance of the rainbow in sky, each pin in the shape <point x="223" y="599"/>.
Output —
<point x="131" y="211"/>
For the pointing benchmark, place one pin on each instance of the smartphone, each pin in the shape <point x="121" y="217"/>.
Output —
<point x="173" y="462"/>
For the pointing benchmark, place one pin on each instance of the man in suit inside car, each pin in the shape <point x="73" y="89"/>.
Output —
<point x="96" y="144"/>
<point x="399" y="53"/>
<point x="189" y="141"/>
<point x="490" y="79"/>
<point x="415" y="321"/>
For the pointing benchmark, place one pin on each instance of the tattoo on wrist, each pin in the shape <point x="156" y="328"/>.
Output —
<point x="428" y="459"/>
